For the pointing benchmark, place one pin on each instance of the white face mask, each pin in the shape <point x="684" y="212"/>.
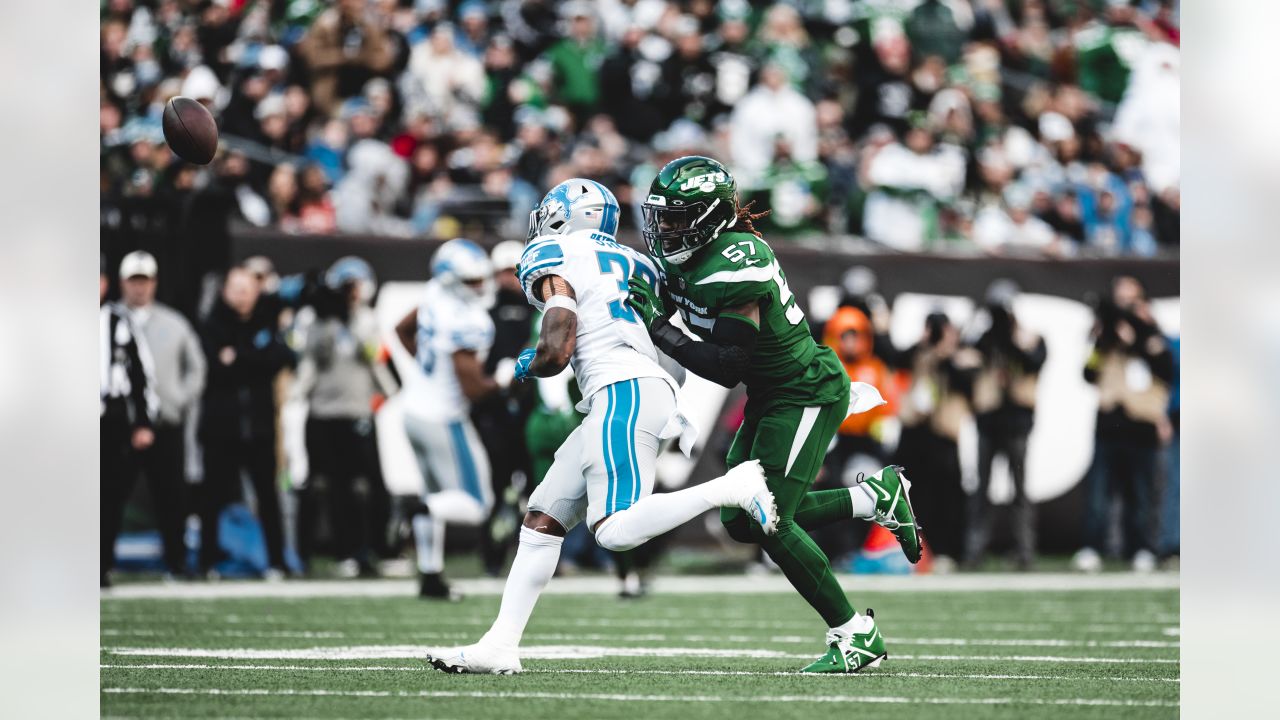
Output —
<point x="681" y="257"/>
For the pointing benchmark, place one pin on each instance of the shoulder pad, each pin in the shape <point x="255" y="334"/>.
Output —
<point x="541" y="258"/>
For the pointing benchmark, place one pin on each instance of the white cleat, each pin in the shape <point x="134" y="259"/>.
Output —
<point x="754" y="495"/>
<point x="479" y="659"/>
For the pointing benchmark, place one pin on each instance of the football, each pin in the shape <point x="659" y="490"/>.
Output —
<point x="190" y="130"/>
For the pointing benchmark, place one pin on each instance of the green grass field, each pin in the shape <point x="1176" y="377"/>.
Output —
<point x="999" y="653"/>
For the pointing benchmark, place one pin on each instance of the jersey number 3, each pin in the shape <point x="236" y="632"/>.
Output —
<point x="620" y="267"/>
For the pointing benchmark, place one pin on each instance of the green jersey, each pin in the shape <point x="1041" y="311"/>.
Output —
<point x="735" y="269"/>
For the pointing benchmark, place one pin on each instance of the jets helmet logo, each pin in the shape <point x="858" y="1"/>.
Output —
<point x="706" y="182"/>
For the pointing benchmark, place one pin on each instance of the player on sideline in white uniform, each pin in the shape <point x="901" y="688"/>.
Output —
<point x="576" y="272"/>
<point x="449" y="334"/>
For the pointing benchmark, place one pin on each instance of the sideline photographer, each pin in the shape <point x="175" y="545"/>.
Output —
<point x="342" y="380"/>
<point x="1004" y="400"/>
<point x="1132" y="367"/>
<point x="932" y="411"/>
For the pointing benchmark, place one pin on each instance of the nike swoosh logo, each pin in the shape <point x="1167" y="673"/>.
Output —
<point x="884" y="494"/>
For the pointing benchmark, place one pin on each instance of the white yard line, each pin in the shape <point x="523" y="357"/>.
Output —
<point x="123" y="614"/>
<point x="618" y="697"/>
<point x="570" y="652"/>
<point x="656" y="637"/>
<point x="580" y="671"/>
<point x="672" y="585"/>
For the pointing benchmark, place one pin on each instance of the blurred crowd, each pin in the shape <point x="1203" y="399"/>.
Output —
<point x="1043" y="127"/>
<point x="193" y="404"/>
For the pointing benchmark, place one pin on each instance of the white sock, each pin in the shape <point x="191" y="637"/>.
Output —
<point x="535" y="563"/>
<point x="864" y="503"/>
<point x="857" y="624"/>
<point x="428" y="536"/>
<point x="656" y="514"/>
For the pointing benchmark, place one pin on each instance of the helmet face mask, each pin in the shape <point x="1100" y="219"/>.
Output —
<point x="690" y="203"/>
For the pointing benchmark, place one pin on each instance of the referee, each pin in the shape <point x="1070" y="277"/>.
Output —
<point x="126" y="410"/>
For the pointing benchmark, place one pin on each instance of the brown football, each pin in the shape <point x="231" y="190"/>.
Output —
<point x="190" y="130"/>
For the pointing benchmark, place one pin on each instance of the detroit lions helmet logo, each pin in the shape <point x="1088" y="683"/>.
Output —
<point x="577" y="204"/>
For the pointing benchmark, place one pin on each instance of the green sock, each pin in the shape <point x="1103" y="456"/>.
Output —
<point x="809" y="572"/>
<point x="823" y="507"/>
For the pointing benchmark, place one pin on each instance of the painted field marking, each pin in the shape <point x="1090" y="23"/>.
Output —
<point x="618" y="697"/>
<point x="568" y="652"/>
<point x="670" y="585"/>
<point x="661" y="637"/>
<point x="185" y="620"/>
<point x="583" y="671"/>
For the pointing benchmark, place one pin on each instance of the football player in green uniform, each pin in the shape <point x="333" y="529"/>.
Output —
<point x="728" y="288"/>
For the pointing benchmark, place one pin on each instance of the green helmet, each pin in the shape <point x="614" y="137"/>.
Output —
<point x="689" y="203"/>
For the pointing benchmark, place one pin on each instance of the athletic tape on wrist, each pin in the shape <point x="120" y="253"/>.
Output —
<point x="562" y="301"/>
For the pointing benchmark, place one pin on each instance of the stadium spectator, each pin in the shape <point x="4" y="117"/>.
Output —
<point x="442" y="79"/>
<point x="932" y="410"/>
<point x="344" y="47"/>
<point x="1132" y="367"/>
<point x="1004" y="400"/>
<point x="771" y="110"/>
<point x="178" y="371"/>
<point x="907" y="183"/>
<point x="126" y="412"/>
<point x="932" y="29"/>
<point x="1011" y="226"/>
<point x="575" y="61"/>
<point x="238" y="415"/>
<point x="316" y="214"/>
<point x="795" y="192"/>
<point x="365" y="199"/>
<point x="858" y="447"/>
<point x="858" y="291"/>
<point x="1079" y="107"/>
<point x="341" y="379"/>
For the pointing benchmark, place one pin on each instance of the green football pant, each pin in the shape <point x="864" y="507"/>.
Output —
<point x="791" y="443"/>
<point x="544" y="433"/>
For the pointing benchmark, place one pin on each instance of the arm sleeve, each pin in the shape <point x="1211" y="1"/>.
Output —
<point x="723" y="360"/>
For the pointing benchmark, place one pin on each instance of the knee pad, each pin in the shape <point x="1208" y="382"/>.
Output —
<point x="457" y="507"/>
<point x="612" y="535"/>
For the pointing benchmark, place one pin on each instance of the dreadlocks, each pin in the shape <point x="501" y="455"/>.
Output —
<point x="745" y="216"/>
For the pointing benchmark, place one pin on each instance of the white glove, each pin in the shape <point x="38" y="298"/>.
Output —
<point x="505" y="372"/>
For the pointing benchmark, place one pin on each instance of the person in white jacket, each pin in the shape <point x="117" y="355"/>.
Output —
<point x="772" y="109"/>
<point x="906" y="181"/>
<point x="441" y="77"/>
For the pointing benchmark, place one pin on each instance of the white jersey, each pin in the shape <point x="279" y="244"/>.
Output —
<point x="446" y="325"/>
<point x="613" y="344"/>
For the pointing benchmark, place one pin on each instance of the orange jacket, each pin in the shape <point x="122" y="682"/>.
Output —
<point x="867" y="368"/>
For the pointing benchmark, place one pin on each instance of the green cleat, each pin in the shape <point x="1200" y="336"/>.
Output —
<point x="851" y="654"/>
<point x="891" y="490"/>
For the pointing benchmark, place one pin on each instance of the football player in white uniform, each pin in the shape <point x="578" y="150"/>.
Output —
<point x="449" y="334"/>
<point x="574" y="270"/>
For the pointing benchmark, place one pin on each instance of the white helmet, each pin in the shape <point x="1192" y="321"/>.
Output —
<point x="506" y="255"/>
<point x="577" y="204"/>
<point x="459" y="262"/>
<point x="352" y="269"/>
